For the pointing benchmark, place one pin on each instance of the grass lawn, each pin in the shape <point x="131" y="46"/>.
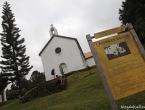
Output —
<point x="84" y="92"/>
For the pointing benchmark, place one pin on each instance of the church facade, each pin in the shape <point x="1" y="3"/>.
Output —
<point x="62" y="51"/>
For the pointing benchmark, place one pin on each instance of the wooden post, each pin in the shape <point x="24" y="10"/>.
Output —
<point x="101" y="72"/>
<point x="139" y="45"/>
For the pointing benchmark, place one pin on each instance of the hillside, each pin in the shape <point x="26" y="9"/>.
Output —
<point x="84" y="92"/>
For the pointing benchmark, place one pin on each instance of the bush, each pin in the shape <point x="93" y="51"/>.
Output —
<point x="12" y="94"/>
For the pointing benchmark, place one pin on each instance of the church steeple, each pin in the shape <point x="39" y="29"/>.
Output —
<point x="53" y="31"/>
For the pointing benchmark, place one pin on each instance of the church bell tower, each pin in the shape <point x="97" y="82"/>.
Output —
<point x="53" y="31"/>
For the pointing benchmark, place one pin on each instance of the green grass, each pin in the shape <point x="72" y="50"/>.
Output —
<point x="84" y="92"/>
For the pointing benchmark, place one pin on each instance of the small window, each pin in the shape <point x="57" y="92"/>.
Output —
<point x="58" y="50"/>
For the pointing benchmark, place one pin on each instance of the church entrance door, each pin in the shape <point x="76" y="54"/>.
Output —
<point x="63" y="65"/>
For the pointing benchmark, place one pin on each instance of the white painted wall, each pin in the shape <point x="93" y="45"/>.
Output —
<point x="70" y="55"/>
<point x="5" y="96"/>
<point x="0" y="98"/>
<point x="90" y="61"/>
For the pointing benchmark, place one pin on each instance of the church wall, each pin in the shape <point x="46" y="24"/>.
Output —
<point x="90" y="61"/>
<point x="70" y="55"/>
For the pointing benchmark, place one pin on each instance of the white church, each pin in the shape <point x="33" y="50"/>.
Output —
<point x="65" y="52"/>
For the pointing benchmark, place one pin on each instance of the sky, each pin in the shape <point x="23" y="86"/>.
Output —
<point x="72" y="18"/>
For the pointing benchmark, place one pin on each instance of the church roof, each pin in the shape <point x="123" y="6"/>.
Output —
<point x="62" y="37"/>
<point x="88" y="54"/>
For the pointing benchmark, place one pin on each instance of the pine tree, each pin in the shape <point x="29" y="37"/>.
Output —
<point x="133" y="11"/>
<point x="15" y="63"/>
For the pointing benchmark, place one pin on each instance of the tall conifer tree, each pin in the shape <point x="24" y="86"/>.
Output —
<point x="15" y="63"/>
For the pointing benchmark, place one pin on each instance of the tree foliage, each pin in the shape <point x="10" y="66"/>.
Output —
<point x="13" y="92"/>
<point x="3" y="83"/>
<point x="24" y="84"/>
<point x="37" y="78"/>
<point x="133" y="11"/>
<point x="15" y="63"/>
